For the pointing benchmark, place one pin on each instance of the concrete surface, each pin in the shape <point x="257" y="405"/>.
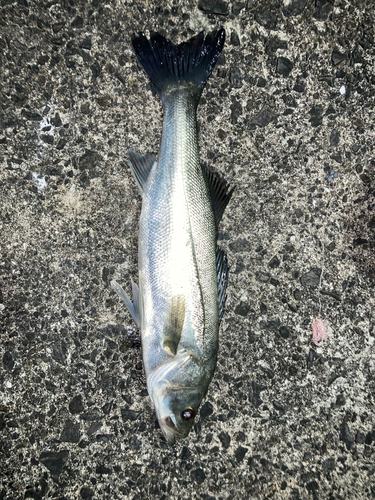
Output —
<point x="291" y="100"/>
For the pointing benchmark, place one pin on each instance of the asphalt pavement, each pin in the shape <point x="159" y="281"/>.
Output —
<point x="288" y="118"/>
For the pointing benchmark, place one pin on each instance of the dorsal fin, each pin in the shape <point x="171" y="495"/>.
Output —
<point x="220" y="192"/>
<point x="174" y="323"/>
<point x="222" y="279"/>
<point x="141" y="167"/>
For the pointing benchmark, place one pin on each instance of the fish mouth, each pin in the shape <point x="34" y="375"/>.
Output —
<point x="170" y="430"/>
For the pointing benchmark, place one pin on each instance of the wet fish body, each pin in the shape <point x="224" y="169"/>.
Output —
<point x="182" y="273"/>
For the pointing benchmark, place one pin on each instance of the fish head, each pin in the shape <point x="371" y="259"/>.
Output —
<point x="177" y="394"/>
<point x="176" y="411"/>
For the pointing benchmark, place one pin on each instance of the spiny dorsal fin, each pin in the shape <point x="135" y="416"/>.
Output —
<point x="220" y="192"/>
<point x="133" y="307"/>
<point x="222" y="279"/>
<point x="174" y="323"/>
<point x="141" y="167"/>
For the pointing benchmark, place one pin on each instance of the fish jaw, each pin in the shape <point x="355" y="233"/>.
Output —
<point x="169" y="429"/>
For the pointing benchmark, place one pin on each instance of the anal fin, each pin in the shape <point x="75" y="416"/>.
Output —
<point x="141" y="167"/>
<point x="174" y="323"/>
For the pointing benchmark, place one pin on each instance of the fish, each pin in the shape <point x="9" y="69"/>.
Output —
<point x="179" y="301"/>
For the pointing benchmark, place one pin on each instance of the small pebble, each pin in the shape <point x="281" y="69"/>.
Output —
<point x="332" y="175"/>
<point x="342" y="90"/>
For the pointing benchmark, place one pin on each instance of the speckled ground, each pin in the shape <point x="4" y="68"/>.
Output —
<point x="288" y="115"/>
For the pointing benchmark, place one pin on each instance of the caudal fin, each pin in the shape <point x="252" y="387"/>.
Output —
<point x="188" y="64"/>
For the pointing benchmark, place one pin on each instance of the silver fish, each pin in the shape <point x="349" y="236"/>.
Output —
<point x="182" y="273"/>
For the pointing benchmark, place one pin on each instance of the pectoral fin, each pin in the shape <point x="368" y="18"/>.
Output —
<point x="174" y="323"/>
<point x="133" y="307"/>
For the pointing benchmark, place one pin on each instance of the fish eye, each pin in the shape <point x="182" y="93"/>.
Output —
<point x="188" y="414"/>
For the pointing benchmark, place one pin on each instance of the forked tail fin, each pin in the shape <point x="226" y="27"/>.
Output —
<point x="189" y="64"/>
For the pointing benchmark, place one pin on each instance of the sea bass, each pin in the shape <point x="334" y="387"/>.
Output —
<point x="179" y="302"/>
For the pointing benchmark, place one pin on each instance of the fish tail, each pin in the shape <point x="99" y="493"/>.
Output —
<point x="188" y="64"/>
